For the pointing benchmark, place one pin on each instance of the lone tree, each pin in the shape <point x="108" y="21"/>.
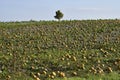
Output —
<point x="58" y="15"/>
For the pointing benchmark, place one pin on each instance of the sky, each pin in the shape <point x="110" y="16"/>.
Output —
<point x="24" y="10"/>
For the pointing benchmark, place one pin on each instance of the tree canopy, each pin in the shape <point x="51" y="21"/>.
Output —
<point x="59" y="15"/>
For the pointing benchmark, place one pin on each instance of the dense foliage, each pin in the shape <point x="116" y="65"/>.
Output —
<point x="59" y="15"/>
<point x="50" y="49"/>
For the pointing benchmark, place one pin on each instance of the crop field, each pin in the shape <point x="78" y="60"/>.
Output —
<point x="64" y="50"/>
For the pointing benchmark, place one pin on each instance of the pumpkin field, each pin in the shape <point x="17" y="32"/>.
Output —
<point x="60" y="50"/>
